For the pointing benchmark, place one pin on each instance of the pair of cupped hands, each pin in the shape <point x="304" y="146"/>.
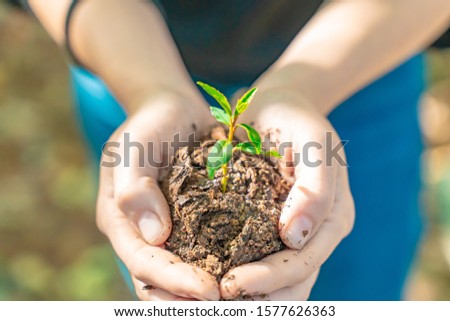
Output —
<point x="133" y="213"/>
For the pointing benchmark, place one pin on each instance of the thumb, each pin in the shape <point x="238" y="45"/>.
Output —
<point x="146" y="207"/>
<point x="302" y="215"/>
<point x="309" y="202"/>
<point x="136" y="189"/>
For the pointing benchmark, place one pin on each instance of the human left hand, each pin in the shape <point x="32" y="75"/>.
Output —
<point x="319" y="211"/>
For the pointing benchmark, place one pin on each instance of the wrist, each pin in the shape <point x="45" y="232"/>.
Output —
<point x="157" y="96"/>
<point x="282" y="101"/>
<point x="173" y="111"/>
<point x="300" y="82"/>
<point x="282" y="108"/>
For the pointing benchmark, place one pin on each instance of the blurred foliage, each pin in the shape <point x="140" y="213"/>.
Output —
<point x="431" y="277"/>
<point x="50" y="248"/>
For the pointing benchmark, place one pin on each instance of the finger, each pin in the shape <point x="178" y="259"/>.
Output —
<point x="312" y="196"/>
<point x="289" y="267"/>
<point x="161" y="268"/>
<point x="140" y="201"/>
<point x="150" y="293"/>
<point x="105" y="191"/>
<point x="151" y="264"/>
<point x="136" y="189"/>
<point x="146" y="207"/>
<point x="297" y="292"/>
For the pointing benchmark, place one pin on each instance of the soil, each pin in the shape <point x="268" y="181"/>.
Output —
<point x="218" y="231"/>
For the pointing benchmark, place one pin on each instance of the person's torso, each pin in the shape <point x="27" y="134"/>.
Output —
<point x="230" y="41"/>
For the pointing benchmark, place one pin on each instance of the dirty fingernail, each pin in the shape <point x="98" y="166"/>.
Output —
<point x="298" y="231"/>
<point x="150" y="226"/>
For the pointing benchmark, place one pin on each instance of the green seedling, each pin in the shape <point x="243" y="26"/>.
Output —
<point x="222" y="151"/>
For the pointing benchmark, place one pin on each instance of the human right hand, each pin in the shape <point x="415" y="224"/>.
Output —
<point x="132" y="211"/>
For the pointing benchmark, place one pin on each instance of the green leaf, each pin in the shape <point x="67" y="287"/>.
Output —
<point x="244" y="101"/>
<point x="217" y="95"/>
<point x="220" y="115"/>
<point x="253" y="136"/>
<point x="219" y="155"/>
<point x="273" y="153"/>
<point x="247" y="147"/>
<point x="211" y="172"/>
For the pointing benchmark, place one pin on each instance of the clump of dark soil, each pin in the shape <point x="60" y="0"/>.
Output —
<point x="217" y="231"/>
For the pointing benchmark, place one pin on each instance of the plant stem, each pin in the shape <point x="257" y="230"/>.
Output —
<point x="231" y="132"/>
<point x="224" y="178"/>
<point x="225" y="166"/>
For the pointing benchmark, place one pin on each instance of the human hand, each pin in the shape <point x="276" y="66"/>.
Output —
<point x="131" y="209"/>
<point x="319" y="211"/>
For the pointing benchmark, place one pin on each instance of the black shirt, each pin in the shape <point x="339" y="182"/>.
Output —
<point x="232" y="41"/>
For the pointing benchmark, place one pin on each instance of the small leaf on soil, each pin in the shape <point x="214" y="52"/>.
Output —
<point x="273" y="153"/>
<point x="219" y="155"/>
<point x="247" y="147"/>
<point x="253" y="136"/>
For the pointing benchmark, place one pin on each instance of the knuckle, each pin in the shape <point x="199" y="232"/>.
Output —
<point x="139" y="189"/>
<point x="135" y="266"/>
<point x="134" y="269"/>
<point x="347" y="219"/>
<point x="139" y="293"/>
<point x="350" y="215"/>
<point x="316" y="203"/>
<point x="125" y="197"/>
<point x="342" y="227"/>
<point x="99" y="221"/>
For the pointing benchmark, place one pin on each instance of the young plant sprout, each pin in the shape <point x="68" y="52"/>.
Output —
<point x="222" y="151"/>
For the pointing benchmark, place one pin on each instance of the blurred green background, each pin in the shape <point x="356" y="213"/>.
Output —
<point x="50" y="248"/>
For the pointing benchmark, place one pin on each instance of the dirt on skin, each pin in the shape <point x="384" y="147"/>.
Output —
<point x="217" y="231"/>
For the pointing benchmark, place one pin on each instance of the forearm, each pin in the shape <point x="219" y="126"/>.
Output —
<point x="126" y="43"/>
<point x="350" y="43"/>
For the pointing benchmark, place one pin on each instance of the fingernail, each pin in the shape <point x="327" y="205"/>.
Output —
<point x="298" y="232"/>
<point x="150" y="226"/>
